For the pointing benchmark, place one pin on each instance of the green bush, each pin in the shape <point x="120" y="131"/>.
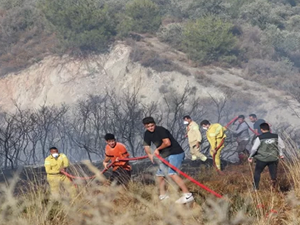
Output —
<point x="261" y="13"/>
<point x="285" y="43"/>
<point x="83" y="25"/>
<point x="23" y="37"/>
<point x="207" y="40"/>
<point x="293" y="24"/>
<point x="202" y="8"/>
<point x="171" y="34"/>
<point x="141" y="16"/>
<point x="233" y="7"/>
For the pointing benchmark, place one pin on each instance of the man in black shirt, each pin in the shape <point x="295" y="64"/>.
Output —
<point x="168" y="148"/>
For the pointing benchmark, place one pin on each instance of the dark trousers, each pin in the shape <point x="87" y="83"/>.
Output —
<point x="120" y="176"/>
<point x="242" y="146"/>
<point x="260" y="166"/>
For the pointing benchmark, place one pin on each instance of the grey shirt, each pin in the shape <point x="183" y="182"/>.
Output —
<point x="242" y="132"/>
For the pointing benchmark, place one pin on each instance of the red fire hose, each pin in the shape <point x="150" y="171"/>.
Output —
<point x="103" y="171"/>
<point x="85" y="178"/>
<point x="188" y="177"/>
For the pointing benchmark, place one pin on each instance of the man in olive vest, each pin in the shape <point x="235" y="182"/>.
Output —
<point x="267" y="149"/>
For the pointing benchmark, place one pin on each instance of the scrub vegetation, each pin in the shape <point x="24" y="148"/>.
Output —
<point x="26" y="135"/>
<point x="261" y="36"/>
<point x="98" y="203"/>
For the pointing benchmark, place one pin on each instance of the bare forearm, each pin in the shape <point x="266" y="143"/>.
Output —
<point x="106" y="159"/>
<point x="165" y="143"/>
<point x="162" y="146"/>
<point x="147" y="150"/>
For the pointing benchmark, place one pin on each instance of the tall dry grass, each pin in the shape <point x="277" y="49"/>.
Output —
<point x="97" y="203"/>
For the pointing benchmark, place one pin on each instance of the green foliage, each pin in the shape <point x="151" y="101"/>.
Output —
<point x="83" y="25"/>
<point x="267" y="31"/>
<point x="286" y="44"/>
<point x="261" y="13"/>
<point x="293" y="24"/>
<point x="141" y="16"/>
<point x="23" y="38"/>
<point x="286" y="2"/>
<point x="9" y="4"/>
<point x="202" y="8"/>
<point x="208" y="39"/>
<point x="171" y="34"/>
<point x="233" y="7"/>
<point x="170" y="8"/>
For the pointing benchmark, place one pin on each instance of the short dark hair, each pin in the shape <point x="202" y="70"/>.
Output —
<point x="264" y="126"/>
<point x="148" y="120"/>
<point x="109" y="136"/>
<point x="253" y="115"/>
<point x="204" y="122"/>
<point x="53" y="148"/>
<point x="241" y="117"/>
<point x="187" y="117"/>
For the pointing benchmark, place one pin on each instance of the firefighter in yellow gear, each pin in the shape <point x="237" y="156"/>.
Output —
<point x="55" y="163"/>
<point x="215" y="134"/>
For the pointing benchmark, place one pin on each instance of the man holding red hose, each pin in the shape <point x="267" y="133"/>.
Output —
<point x="54" y="164"/>
<point x="169" y="149"/>
<point x="114" y="150"/>
<point x="215" y="135"/>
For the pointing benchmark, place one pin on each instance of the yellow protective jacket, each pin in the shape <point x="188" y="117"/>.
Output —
<point x="215" y="134"/>
<point x="53" y="165"/>
<point x="193" y="133"/>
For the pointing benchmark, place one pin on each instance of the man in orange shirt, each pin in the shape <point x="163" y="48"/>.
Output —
<point x="113" y="151"/>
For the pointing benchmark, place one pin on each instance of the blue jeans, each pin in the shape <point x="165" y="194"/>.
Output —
<point x="175" y="160"/>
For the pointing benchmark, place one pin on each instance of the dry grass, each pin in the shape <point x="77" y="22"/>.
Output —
<point x="100" y="204"/>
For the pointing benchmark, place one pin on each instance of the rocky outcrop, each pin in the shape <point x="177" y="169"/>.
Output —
<point x="57" y="80"/>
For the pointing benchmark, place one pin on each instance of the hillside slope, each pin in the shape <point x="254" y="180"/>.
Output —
<point x="65" y="80"/>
